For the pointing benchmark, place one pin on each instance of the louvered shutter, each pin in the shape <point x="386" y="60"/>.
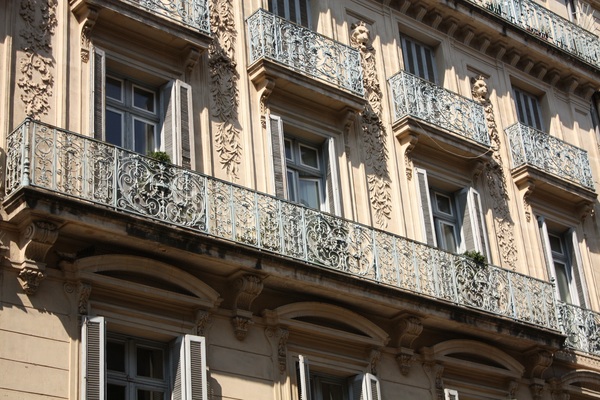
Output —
<point x="576" y="266"/>
<point x="450" y="394"/>
<point x="366" y="387"/>
<point x="188" y="368"/>
<point x="425" y="203"/>
<point x="178" y="127"/>
<point x="93" y="370"/>
<point x="545" y="240"/>
<point x="275" y="129"/>
<point x="304" y="378"/>
<point x="98" y="88"/>
<point x="472" y="221"/>
<point x="333" y="194"/>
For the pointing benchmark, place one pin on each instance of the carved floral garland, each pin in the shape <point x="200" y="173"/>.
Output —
<point x="494" y="173"/>
<point x="224" y="90"/>
<point x="375" y="150"/>
<point x="37" y="63"/>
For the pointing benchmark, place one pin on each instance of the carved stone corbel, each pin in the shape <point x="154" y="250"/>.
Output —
<point x="36" y="240"/>
<point x="538" y="361"/>
<point x="408" y="143"/>
<point x="409" y="327"/>
<point x="191" y="59"/>
<point x="89" y="18"/>
<point x="248" y="287"/>
<point x="585" y="209"/>
<point x="537" y="388"/>
<point x="405" y="359"/>
<point x="529" y="186"/>
<point x="512" y="389"/>
<point x="30" y="279"/>
<point x="278" y="336"/>
<point x="265" y="88"/>
<point x="374" y="358"/>
<point x="435" y="372"/>
<point x="203" y="322"/>
<point x="477" y="168"/>
<point x="84" y="290"/>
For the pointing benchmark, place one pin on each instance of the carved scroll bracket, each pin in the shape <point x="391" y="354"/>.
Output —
<point x="278" y="336"/>
<point x="527" y="187"/>
<point x="407" y="144"/>
<point x="36" y="241"/>
<point x="435" y="372"/>
<point x="247" y="287"/>
<point x="265" y="88"/>
<point x="539" y="361"/>
<point x="87" y="18"/>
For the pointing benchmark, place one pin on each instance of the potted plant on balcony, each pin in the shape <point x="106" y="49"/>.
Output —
<point x="475" y="256"/>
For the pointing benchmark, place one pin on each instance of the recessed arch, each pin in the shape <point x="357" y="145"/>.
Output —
<point x="581" y="378"/>
<point x="87" y="267"/>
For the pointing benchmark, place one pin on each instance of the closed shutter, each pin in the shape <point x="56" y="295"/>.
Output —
<point x="472" y="223"/>
<point x="93" y="370"/>
<point x="188" y="368"/>
<point x="418" y="59"/>
<point x="366" y="387"/>
<point x="577" y="266"/>
<point x="97" y="100"/>
<point x="528" y="109"/>
<point x="333" y="194"/>
<point x="275" y="129"/>
<point x="304" y="378"/>
<point x="545" y="240"/>
<point x="178" y="127"/>
<point x="425" y="203"/>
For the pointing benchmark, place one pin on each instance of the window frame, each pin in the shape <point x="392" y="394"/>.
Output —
<point x="529" y="108"/>
<point x="286" y="13"/>
<point x="415" y="53"/>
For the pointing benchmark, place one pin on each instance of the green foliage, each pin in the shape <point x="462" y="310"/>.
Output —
<point x="160" y="156"/>
<point x="476" y="256"/>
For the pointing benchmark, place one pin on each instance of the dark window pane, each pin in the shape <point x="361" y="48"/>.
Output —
<point x="332" y="391"/>
<point x="143" y="137"/>
<point x="143" y="99"/>
<point x="149" y="395"/>
<point x="150" y="362"/>
<point x="115" y="392"/>
<point x="113" y="131"/>
<point x="114" y="88"/>
<point x="115" y="356"/>
<point x="309" y="156"/>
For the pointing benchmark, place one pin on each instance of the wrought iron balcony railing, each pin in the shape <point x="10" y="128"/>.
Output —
<point x="581" y="326"/>
<point x="549" y="154"/>
<point x="428" y="102"/>
<point x="305" y="51"/>
<point x="192" y="13"/>
<point x="59" y="161"/>
<point x="544" y="24"/>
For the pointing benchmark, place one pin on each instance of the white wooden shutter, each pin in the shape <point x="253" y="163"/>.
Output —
<point x="177" y="133"/>
<point x="425" y="203"/>
<point x="366" y="387"/>
<point x="333" y="193"/>
<point x="545" y="240"/>
<point x="97" y="100"/>
<point x="275" y="130"/>
<point x="304" y="378"/>
<point x="188" y="368"/>
<point x="577" y="267"/>
<point x="450" y="394"/>
<point x="93" y="366"/>
<point x="472" y="221"/>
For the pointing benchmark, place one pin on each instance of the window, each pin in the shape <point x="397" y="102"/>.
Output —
<point x="141" y="114"/>
<point x="528" y="109"/>
<point x="314" y="385"/>
<point x="297" y="11"/>
<point x="452" y="221"/>
<point x="563" y="260"/>
<point x="304" y="169"/>
<point x="418" y="59"/>
<point x="121" y="367"/>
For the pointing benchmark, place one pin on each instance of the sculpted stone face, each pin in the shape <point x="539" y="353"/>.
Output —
<point x="360" y="35"/>
<point x="480" y="90"/>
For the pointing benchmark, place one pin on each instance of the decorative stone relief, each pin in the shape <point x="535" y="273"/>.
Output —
<point x="375" y="150"/>
<point x="36" y="65"/>
<point x="374" y="358"/>
<point x="539" y="361"/>
<point x="84" y="291"/>
<point x="496" y="180"/>
<point x="537" y="389"/>
<point x="36" y="240"/>
<point x="435" y="373"/>
<point x="248" y="287"/>
<point x="203" y="321"/>
<point x="409" y="328"/>
<point x="89" y="20"/>
<point x="405" y="359"/>
<point x="223" y="88"/>
<point x="30" y="279"/>
<point x="240" y="326"/>
<point x="281" y="335"/>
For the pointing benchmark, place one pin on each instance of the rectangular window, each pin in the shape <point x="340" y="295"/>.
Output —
<point x="452" y="221"/>
<point x="141" y="117"/>
<point x="528" y="109"/>
<point x="304" y="171"/>
<point x="561" y="250"/>
<point x="419" y="59"/>
<point x="297" y="11"/>
<point x="120" y="367"/>
<point x="316" y="385"/>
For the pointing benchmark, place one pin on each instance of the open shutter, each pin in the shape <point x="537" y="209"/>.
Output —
<point x="576" y="266"/>
<point x="304" y="378"/>
<point x="97" y="100"/>
<point x="472" y="223"/>
<point x="333" y="193"/>
<point x="275" y="129"/>
<point x="366" y="387"/>
<point x="450" y="394"/>
<point x="178" y="127"/>
<point x="425" y="203"/>
<point x="188" y="366"/>
<point x="93" y="370"/>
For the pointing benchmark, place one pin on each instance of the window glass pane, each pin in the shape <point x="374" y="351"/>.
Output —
<point x="291" y="180"/>
<point x="114" y="88"/>
<point x="149" y="395"/>
<point x="332" y="391"/>
<point x="309" y="193"/>
<point x="449" y="235"/>
<point x="150" y="362"/>
<point x="143" y="99"/>
<point x="113" y="130"/>
<point x="115" y="392"/>
<point x="115" y="356"/>
<point x="289" y="155"/>
<point x="444" y="204"/>
<point x="143" y="137"/>
<point x="562" y="281"/>
<point x="309" y="156"/>
<point x="556" y="244"/>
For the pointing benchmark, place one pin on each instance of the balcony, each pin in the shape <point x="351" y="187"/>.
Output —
<point x="547" y="26"/>
<point x="300" y="61"/>
<point x="554" y="166"/>
<point x="97" y="174"/>
<point x="581" y="326"/>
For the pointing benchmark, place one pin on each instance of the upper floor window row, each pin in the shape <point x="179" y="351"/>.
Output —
<point x="297" y="11"/>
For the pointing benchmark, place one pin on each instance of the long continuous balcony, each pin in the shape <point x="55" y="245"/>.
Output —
<point x="425" y="101"/>
<point x="548" y="26"/>
<point x="581" y="326"/>
<point x="304" y="51"/>
<point x="531" y="147"/>
<point x="194" y="14"/>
